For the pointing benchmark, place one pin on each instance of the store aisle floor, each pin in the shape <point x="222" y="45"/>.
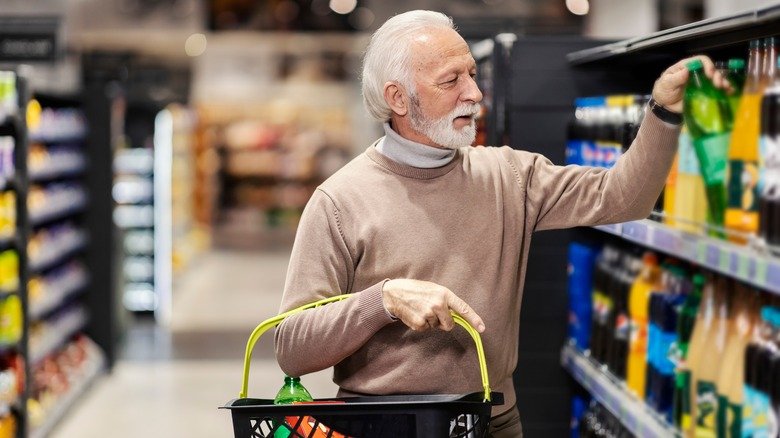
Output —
<point x="171" y="381"/>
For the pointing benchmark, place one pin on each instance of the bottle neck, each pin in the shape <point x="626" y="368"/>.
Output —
<point x="769" y="64"/>
<point x="753" y="70"/>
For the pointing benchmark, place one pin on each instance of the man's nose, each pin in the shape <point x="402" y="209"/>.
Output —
<point x="472" y="92"/>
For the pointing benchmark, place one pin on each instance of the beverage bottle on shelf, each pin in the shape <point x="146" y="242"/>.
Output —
<point x="708" y="119"/>
<point x="689" y="204"/>
<point x="756" y="418"/>
<point x="742" y="173"/>
<point x="769" y="183"/>
<point x="736" y="78"/>
<point x="706" y="374"/>
<point x="622" y="286"/>
<point x="602" y="302"/>
<point x="703" y="330"/>
<point x="291" y="392"/>
<point x="639" y="306"/>
<point x="730" y="381"/>
<point x="681" y="352"/>
<point x="582" y="259"/>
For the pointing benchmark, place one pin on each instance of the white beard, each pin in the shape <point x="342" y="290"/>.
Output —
<point x="441" y="131"/>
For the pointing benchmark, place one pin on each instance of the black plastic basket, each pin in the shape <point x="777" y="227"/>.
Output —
<point x="394" y="416"/>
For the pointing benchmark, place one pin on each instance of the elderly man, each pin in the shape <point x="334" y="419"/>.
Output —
<point x="421" y="223"/>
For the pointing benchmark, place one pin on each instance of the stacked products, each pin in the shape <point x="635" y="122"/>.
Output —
<point x="598" y="422"/>
<point x="702" y="350"/>
<point x="8" y="95"/>
<point x="7" y="145"/>
<point x="726" y="176"/>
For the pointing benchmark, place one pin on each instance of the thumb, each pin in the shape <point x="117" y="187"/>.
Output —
<point x="465" y="311"/>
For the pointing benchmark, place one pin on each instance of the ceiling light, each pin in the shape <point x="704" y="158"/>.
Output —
<point x="578" y="7"/>
<point x="343" y="6"/>
<point x="195" y="44"/>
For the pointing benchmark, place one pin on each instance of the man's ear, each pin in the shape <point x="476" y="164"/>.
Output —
<point x="396" y="99"/>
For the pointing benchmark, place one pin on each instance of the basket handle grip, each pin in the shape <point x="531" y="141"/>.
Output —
<point x="276" y="320"/>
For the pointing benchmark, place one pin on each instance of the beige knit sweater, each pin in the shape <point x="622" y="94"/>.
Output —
<point x="467" y="226"/>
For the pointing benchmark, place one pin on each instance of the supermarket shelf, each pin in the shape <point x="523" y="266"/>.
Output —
<point x="73" y="325"/>
<point x="93" y="371"/>
<point x="739" y="262"/>
<point x="51" y="259"/>
<point x="690" y="38"/>
<point x="56" y="299"/>
<point x="52" y="172"/>
<point x="60" y="210"/>
<point x="635" y="415"/>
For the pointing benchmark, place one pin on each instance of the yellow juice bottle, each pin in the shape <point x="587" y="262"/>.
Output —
<point x="731" y="379"/>
<point x="645" y="284"/>
<point x="742" y="172"/>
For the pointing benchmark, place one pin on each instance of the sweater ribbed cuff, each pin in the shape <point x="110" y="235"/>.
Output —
<point x="372" y="309"/>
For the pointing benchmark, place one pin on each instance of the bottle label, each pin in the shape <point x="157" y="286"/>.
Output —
<point x="712" y="152"/>
<point x="755" y="413"/>
<point x="688" y="164"/>
<point x="685" y="388"/>
<point x="729" y="418"/>
<point x="743" y="185"/>
<point x="706" y="409"/>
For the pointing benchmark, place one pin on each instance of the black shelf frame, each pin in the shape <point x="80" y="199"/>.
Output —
<point x="691" y="38"/>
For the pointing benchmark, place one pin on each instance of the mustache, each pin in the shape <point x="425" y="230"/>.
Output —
<point x="467" y="110"/>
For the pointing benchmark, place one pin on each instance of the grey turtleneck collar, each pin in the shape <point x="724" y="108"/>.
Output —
<point x="411" y="153"/>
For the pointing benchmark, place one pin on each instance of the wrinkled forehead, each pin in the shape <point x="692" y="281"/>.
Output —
<point x="436" y="48"/>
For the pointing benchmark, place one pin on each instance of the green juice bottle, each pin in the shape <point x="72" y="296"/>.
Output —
<point x="708" y="117"/>
<point x="291" y="392"/>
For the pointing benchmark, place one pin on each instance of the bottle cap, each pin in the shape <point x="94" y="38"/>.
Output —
<point x="778" y="61"/>
<point x="755" y="44"/>
<point x="767" y="313"/>
<point x="694" y="64"/>
<point x="770" y="41"/>
<point x="736" y="63"/>
<point x="698" y="280"/>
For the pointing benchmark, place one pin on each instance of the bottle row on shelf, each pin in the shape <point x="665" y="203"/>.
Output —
<point x="598" y="422"/>
<point x="7" y="166"/>
<point x="55" y="125"/>
<point x="49" y="246"/>
<point x="725" y="180"/>
<point x="55" y="161"/>
<point x="679" y="339"/>
<point x="55" y="201"/>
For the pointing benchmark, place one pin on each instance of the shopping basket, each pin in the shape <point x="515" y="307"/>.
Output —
<point x="394" y="416"/>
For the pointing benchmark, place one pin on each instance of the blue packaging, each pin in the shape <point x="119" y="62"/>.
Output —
<point x="582" y="260"/>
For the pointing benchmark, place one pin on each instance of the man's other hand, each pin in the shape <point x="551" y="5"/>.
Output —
<point x="669" y="89"/>
<point x="422" y="305"/>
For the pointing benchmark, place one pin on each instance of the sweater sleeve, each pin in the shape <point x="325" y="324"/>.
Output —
<point x="571" y="196"/>
<point x="321" y="267"/>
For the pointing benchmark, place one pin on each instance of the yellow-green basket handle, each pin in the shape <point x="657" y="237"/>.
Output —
<point x="276" y="320"/>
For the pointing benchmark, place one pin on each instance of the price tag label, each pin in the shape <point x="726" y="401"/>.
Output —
<point x="713" y="257"/>
<point x="742" y="267"/>
<point x="701" y="253"/>
<point x="724" y="260"/>
<point x="664" y="240"/>
<point x="761" y="271"/>
<point x="733" y="263"/>
<point x="773" y="276"/>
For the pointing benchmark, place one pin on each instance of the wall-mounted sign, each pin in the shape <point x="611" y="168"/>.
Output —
<point x="29" y="38"/>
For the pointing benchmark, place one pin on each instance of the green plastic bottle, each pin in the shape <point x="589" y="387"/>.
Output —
<point x="708" y="117"/>
<point x="291" y="392"/>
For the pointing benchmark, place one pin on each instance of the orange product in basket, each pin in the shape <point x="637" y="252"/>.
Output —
<point x="308" y="423"/>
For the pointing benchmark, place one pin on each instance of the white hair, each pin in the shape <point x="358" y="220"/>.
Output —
<point x="388" y="54"/>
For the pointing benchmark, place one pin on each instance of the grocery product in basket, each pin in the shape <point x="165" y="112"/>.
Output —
<point x="291" y="392"/>
<point x="769" y="167"/>
<point x="742" y="172"/>
<point x="708" y="118"/>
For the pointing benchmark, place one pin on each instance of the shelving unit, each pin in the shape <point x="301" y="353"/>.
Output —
<point x="612" y="65"/>
<point x="612" y="393"/>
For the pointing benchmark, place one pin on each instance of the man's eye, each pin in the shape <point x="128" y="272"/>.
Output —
<point x="453" y="80"/>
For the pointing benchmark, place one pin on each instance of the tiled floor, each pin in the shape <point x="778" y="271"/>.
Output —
<point x="172" y="381"/>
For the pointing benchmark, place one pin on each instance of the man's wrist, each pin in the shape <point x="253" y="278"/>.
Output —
<point x="664" y="113"/>
<point x="387" y="311"/>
